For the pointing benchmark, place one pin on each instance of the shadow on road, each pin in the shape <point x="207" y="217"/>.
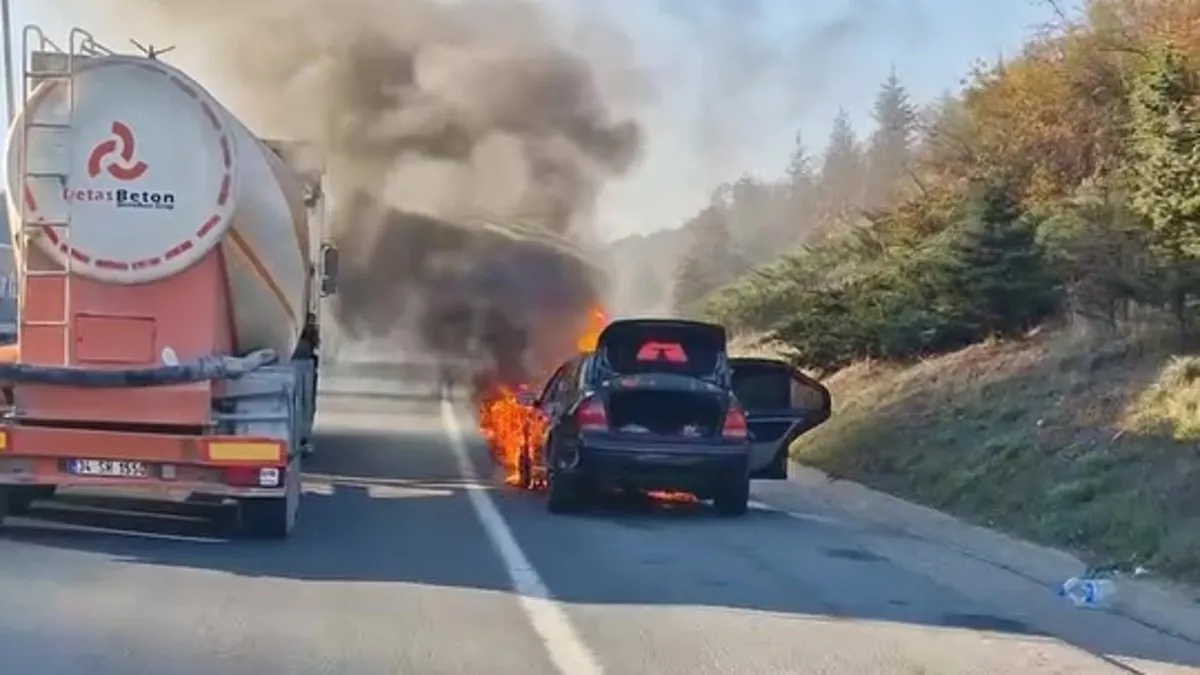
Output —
<point x="390" y="505"/>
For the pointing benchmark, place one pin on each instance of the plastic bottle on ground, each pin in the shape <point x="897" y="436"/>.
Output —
<point x="1090" y="592"/>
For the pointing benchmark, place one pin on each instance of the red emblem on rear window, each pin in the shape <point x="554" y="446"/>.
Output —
<point x="672" y="352"/>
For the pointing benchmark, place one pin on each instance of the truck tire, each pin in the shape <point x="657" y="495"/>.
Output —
<point x="266" y="517"/>
<point x="19" y="499"/>
<point x="272" y="517"/>
<point x="734" y="499"/>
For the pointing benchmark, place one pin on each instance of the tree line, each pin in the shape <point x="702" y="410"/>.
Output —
<point x="1059" y="185"/>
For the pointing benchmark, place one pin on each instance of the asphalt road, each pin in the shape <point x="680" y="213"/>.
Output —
<point x="409" y="560"/>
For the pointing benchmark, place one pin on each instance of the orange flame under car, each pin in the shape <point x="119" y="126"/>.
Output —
<point x="505" y="424"/>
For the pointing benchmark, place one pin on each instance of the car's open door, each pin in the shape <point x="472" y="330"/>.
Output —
<point x="781" y="403"/>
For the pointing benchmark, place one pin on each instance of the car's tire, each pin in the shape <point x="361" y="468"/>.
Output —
<point x="19" y="499"/>
<point x="778" y="468"/>
<point x="734" y="499"/>
<point x="564" y="495"/>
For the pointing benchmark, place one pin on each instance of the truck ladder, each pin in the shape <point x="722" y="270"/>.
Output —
<point x="47" y="173"/>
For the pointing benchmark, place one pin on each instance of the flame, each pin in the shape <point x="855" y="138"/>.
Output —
<point x="597" y="319"/>
<point x="673" y="497"/>
<point x="505" y="424"/>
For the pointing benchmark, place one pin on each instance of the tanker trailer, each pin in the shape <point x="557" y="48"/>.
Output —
<point x="169" y="288"/>
<point x="8" y="284"/>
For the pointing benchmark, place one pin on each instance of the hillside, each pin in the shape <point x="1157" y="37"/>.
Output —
<point x="643" y="267"/>
<point x="1005" y="294"/>
<point x="1059" y="439"/>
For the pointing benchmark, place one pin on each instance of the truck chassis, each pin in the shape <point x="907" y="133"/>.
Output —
<point x="252" y="452"/>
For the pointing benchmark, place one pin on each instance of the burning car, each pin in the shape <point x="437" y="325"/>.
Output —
<point x="659" y="406"/>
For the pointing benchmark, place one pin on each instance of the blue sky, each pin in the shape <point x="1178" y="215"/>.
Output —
<point x="731" y="83"/>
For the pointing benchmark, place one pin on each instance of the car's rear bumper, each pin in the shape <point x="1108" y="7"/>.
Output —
<point x="700" y="470"/>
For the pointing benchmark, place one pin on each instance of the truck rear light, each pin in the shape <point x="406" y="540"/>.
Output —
<point x="254" y="476"/>
<point x="591" y="416"/>
<point x="246" y="450"/>
<point x="735" y="427"/>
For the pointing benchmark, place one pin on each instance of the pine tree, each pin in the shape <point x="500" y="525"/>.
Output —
<point x="795" y="200"/>
<point x="841" y="179"/>
<point x="1165" y="172"/>
<point x="710" y="261"/>
<point x="995" y="268"/>
<point x="752" y="211"/>
<point x="800" y="171"/>
<point x="691" y="282"/>
<point x="890" y="147"/>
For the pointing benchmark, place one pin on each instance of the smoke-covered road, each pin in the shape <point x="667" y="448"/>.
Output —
<point x="403" y="564"/>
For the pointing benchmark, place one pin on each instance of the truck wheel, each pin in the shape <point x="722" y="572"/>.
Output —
<point x="266" y="517"/>
<point x="19" y="499"/>
<point x="272" y="517"/>
<point x="564" y="494"/>
<point x="734" y="500"/>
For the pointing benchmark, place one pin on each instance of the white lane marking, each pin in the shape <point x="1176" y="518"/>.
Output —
<point x="763" y="506"/>
<point x="567" y="650"/>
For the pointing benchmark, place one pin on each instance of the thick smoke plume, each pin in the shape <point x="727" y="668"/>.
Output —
<point x="458" y="136"/>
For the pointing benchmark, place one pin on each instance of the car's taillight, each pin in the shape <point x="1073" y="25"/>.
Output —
<point x="735" y="424"/>
<point x="591" y="415"/>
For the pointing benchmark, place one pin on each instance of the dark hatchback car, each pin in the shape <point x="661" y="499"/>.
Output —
<point x="660" y="406"/>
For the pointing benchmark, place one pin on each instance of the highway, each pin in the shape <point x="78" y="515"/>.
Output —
<point x="411" y="559"/>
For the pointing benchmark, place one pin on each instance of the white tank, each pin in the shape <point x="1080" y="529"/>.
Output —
<point x="158" y="174"/>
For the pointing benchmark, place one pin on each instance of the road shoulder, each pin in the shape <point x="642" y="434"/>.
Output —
<point x="1171" y="609"/>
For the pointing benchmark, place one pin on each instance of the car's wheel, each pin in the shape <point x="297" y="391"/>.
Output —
<point x="778" y="468"/>
<point x="734" y="499"/>
<point x="564" y="494"/>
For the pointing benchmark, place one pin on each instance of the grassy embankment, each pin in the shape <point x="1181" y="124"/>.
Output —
<point x="1085" y="444"/>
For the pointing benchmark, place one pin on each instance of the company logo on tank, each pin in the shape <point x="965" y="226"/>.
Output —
<point x="116" y="158"/>
<point x="122" y="197"/>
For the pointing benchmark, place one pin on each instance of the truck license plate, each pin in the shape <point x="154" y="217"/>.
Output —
<point x="113" y="468"/>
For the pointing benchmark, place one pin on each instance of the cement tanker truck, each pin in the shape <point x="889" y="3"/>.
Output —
<point x="171" y="267"/>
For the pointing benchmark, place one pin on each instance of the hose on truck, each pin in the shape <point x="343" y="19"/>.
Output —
<point x="202" y="369"/>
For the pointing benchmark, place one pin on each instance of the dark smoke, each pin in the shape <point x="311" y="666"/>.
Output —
<point x="434" y="117"/>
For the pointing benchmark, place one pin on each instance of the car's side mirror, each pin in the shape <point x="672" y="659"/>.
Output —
<point x="329" y="270"/>
<point x="527" y="399"/>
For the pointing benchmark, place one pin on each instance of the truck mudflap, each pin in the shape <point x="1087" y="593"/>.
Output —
<point x="232" y="466"/>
